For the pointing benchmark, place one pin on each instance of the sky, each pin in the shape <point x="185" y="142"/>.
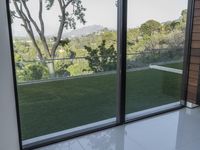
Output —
<point x="104" y="12"/>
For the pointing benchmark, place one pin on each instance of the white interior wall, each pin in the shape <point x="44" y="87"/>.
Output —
<point x="8" y="121"/>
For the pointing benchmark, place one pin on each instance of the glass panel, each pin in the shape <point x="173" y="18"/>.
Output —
<point x="65" y="55"/>
<point x="155" y="47"/>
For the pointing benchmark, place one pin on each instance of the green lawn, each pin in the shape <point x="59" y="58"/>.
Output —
<point x="59" y="105"/>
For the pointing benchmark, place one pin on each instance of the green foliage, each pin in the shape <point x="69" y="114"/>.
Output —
<point x="71" y="18"/>
<point x="184" y="15"/>
<point x="72" y="11"/>
<point x="171" y="26"/>
<point x="150" y="27"/>
<point x="61" y="67"/>
<point x="102" y="58"/>
<point x="175" y="39"/>
<point x="79" y="68"/>
<point x="23" y="51"/>
<point x="93" y="40"/>
<point x="133" y="36"/>
<point x="29" y="72"/>
<point x="99" y="48"/>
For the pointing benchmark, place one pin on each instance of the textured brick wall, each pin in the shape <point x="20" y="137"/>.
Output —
<point x="194" y="69"/>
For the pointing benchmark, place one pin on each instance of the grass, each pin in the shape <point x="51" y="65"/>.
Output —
<point x="59" y="105"/>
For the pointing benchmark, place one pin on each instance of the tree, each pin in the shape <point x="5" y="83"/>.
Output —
<point x="176" y="40"/>
<point x="71" y="11"/>
<point x="33" y="71"/>
<point x="102" y="58"/>
<point x="184" y="15"/>
<point x="149" y="27"/>
<point x="174" y="25"/>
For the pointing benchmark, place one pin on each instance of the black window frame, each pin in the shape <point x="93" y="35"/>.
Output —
<point x="121" y="79"/>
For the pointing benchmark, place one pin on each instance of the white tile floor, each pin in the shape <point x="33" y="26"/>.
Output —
<point x="178" y="130"/>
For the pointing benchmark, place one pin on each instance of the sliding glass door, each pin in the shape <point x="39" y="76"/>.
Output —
<point x="155" y="48"/>
<point x="65" y="59"/>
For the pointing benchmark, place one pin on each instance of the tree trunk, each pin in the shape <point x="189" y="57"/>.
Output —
<point x="51" y="68"/>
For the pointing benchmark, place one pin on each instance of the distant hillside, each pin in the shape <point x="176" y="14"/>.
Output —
<point x="83" y="31"/>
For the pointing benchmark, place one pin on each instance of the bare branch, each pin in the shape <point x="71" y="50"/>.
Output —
<point x="40" y="16"/>
<point x="42" y="36"/>
<point x="66" y="20"/>
<point x="60" y="30"/>
<point x="27" y="27"/>
<point x="67" y="4"/>
<point x="14" y="15"/>
<point x="40" y="32"/>
<point x="29" y="16"/>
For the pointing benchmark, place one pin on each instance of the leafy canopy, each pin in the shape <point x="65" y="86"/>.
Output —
<point x="102" y="58"/>
<point x="149" y="27"/>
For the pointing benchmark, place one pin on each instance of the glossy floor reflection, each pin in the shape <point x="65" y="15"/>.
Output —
<point x="178" y="130"/>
